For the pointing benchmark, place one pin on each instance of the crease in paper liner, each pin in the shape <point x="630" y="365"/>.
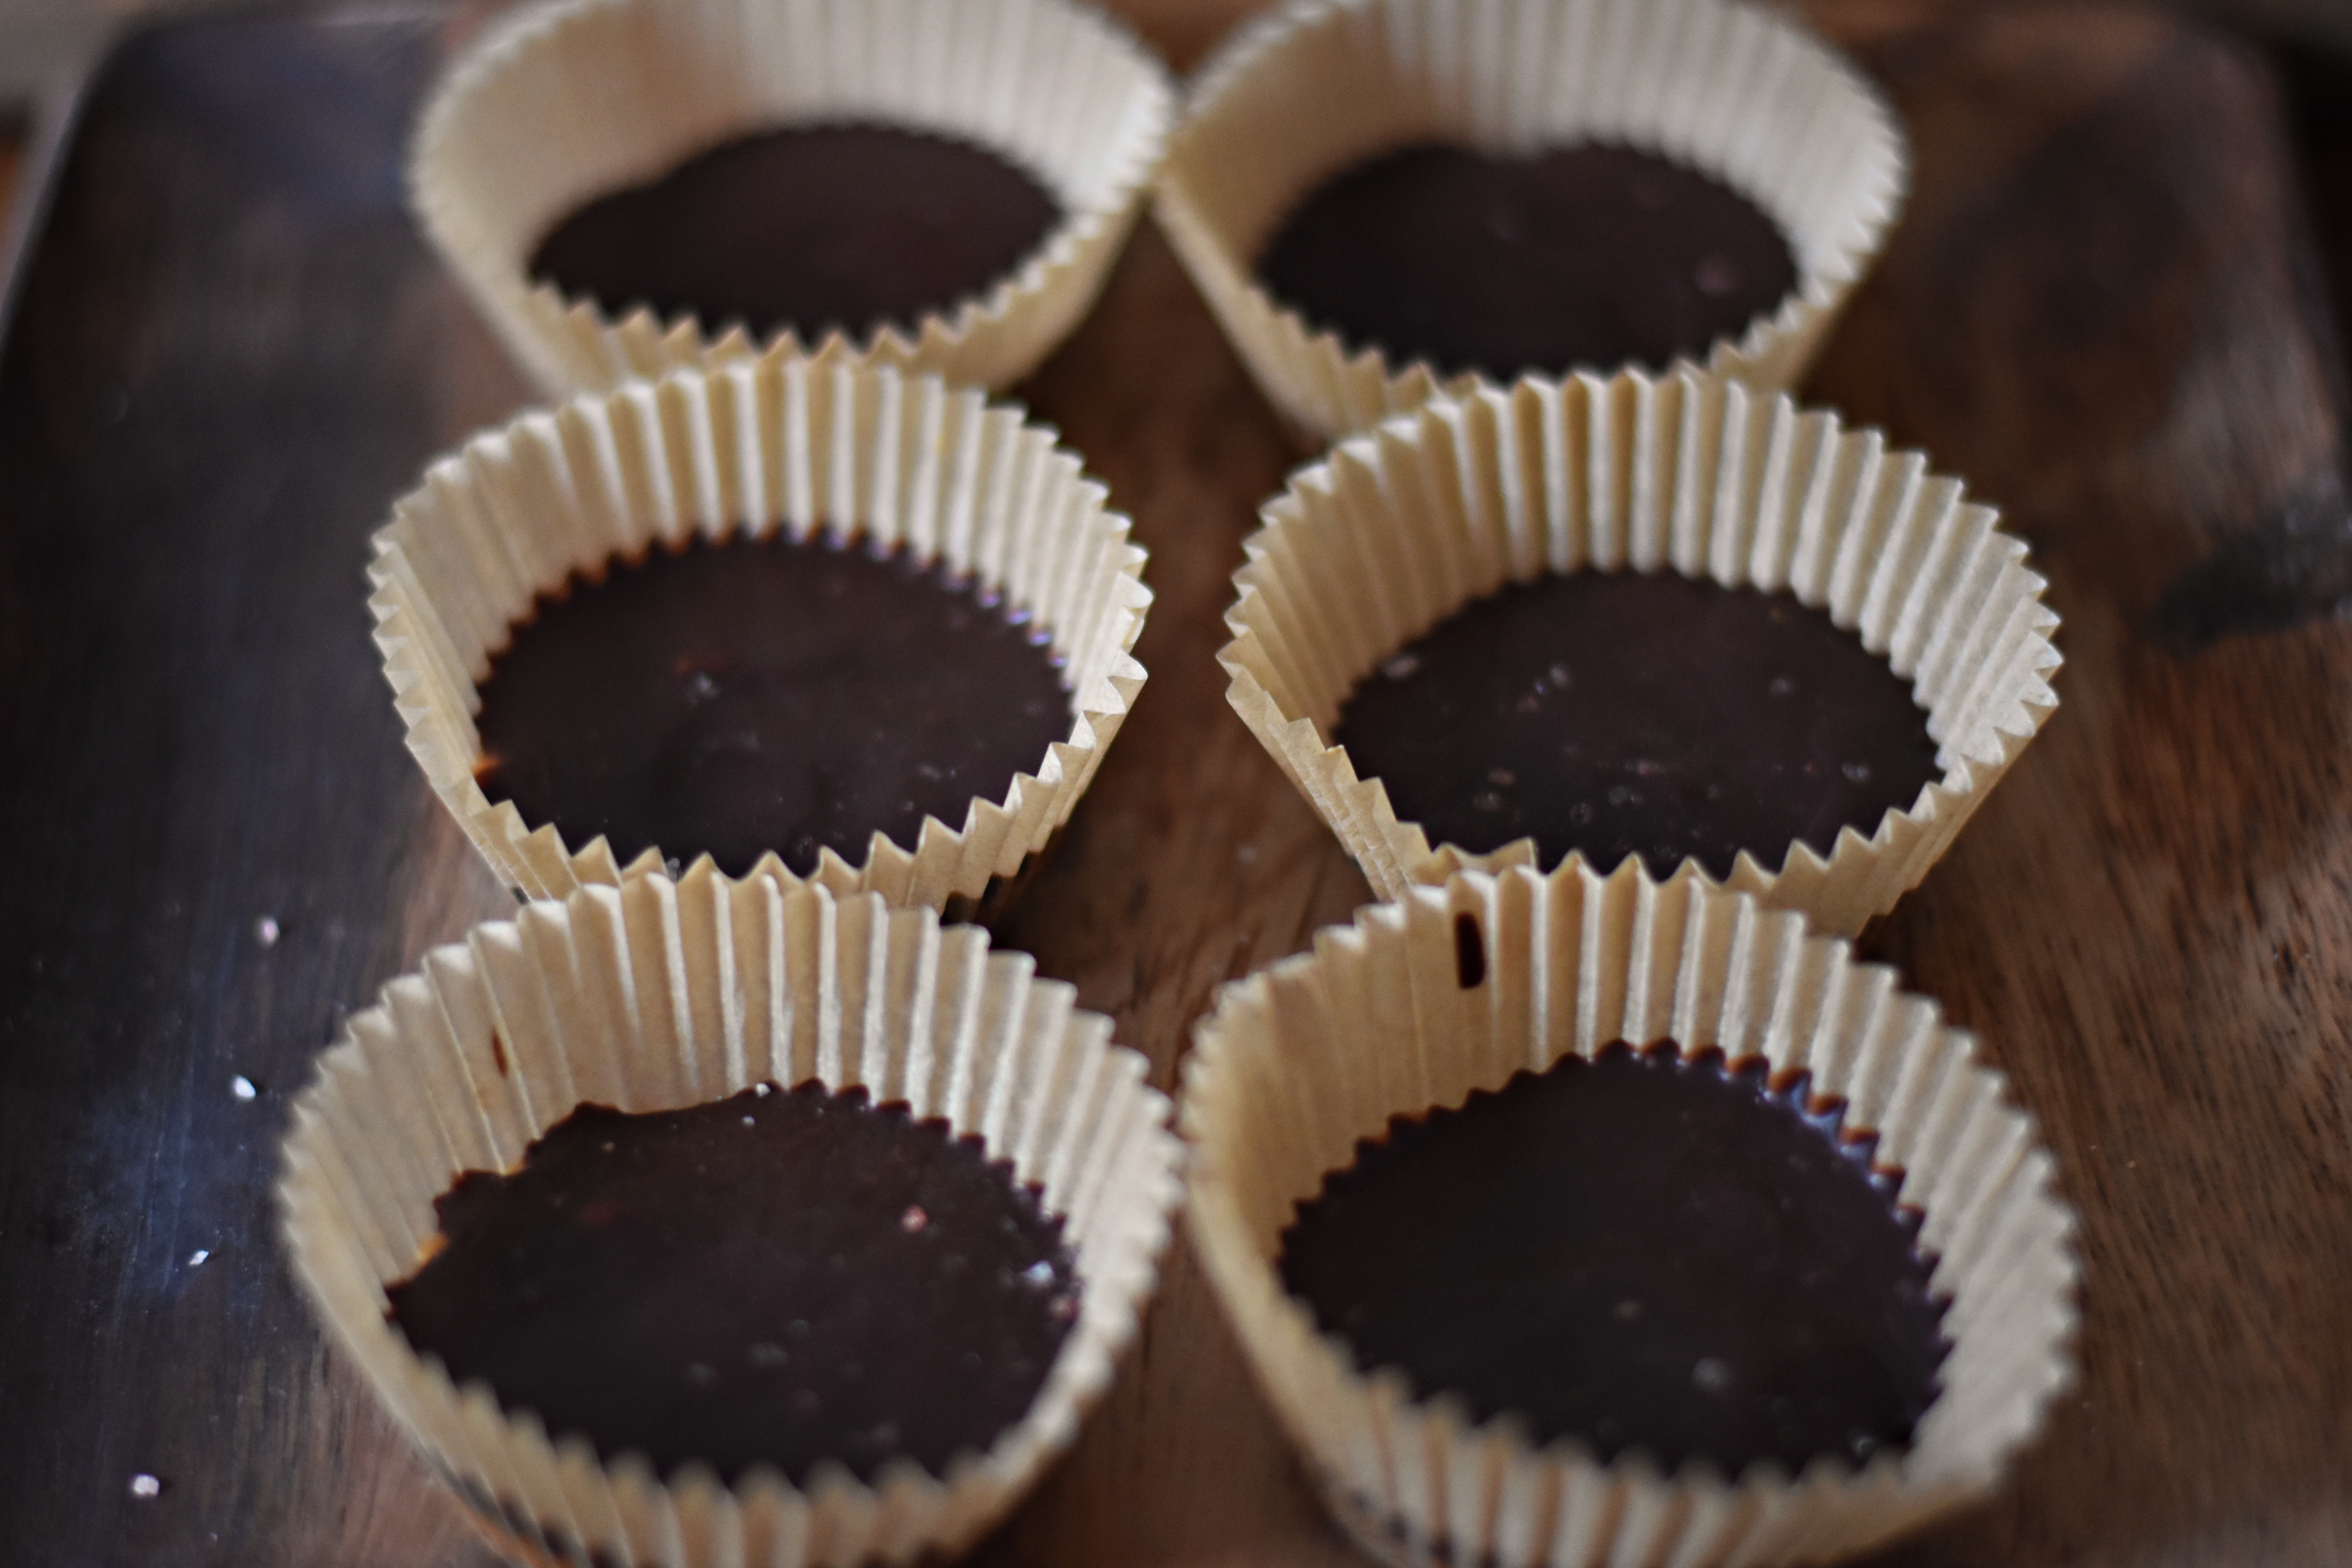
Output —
<point x="662" y="994"/>
<point x="1296" y="1064"/>
<point x="1694" y="473"/>
<point x="1737" y="93"/>
<point x="566" y="101"/>
<point x="758" y="446"/>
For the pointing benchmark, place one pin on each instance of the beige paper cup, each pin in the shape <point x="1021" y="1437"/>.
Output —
<point x="1398" y="528"/>
<point x="1737" y="93"/>
<point x="1299" y="1063"/>
<point x="665" y="994"/>
<point x="751" y="448"/>
<point x="565" y="102"/>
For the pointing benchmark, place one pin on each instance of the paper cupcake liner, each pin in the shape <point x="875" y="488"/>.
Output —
<point x="665" y="994"/>
<point x="1737" y="92"/>
<point x="1299" y="1063"/>
<point x="1401" y="527"/>
<point x="563" y="103"/>
<point x="860" y="453"/>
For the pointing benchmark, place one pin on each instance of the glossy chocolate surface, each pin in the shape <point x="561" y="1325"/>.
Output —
<point x="1583" y="256"/>
<point x="765" y="694"/>
<point x="777" y="1277"/>
<point x="812" y="227"/>
<point x="1620" y="714"/>
<point x="1641" y="1251"/>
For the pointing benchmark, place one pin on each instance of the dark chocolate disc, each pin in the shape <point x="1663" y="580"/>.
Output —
<point x="765" y="694"/>
<point x="812" y="227"/>
<point x="1641" y="1251"/>
<point x="778" y="1278"/>
<point x="1627" y="714"/>
<point x="1583" y="256"/>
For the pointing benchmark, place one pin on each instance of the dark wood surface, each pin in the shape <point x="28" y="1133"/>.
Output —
<point x="2103" y="308"/>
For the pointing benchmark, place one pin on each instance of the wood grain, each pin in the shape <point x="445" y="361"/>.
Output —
<point x="231" y="353"/>
<point x="2102" y="308"/>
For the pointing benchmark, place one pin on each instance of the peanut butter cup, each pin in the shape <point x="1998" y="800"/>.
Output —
<point x="1382" y="200"/>
<point x="1621" y="713"/>
<point x="1670" y="618"/>
<point x="1574" y="1219"/>
<point x="867" y="622"/>
<point x="771" y="1279"/>
<point x="639" y="1305"/>
<point x="1477" y="262"/>
<point x="631" y="187"/>
<point x="813" y="229"/>
<point x="765" y="694"/>
<point x="1641" y="1251"/>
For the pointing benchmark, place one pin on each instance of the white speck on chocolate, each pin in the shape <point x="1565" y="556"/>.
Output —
<point x="144" y="1485"/>
<point x="196" y="1259"/>
<point x="265" y="932"/>
<point x="1401" y="667"/>
<point x="761" y="1089"/>
<point x="242" y="1087"/>
<point x="914" y="1220"/>
<point x="1711" y="1376"/>
<point x="1715" y="277"/>
<point x="1040" y="1274"/>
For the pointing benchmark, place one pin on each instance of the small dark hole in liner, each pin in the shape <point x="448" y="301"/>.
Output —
<point x="1469" y="951"/>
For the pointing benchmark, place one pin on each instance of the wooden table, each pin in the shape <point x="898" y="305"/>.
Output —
<point x="2103" y="308"/>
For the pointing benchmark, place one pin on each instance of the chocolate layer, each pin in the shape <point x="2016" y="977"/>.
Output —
<point x="1641" y="1251"/>
<point x="777" y="1278"/>
<point x="1583" y="256"/>
<point x="1623" y="714"/>
<point x="813" y="227"/>
<point x="765" y="694"/>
